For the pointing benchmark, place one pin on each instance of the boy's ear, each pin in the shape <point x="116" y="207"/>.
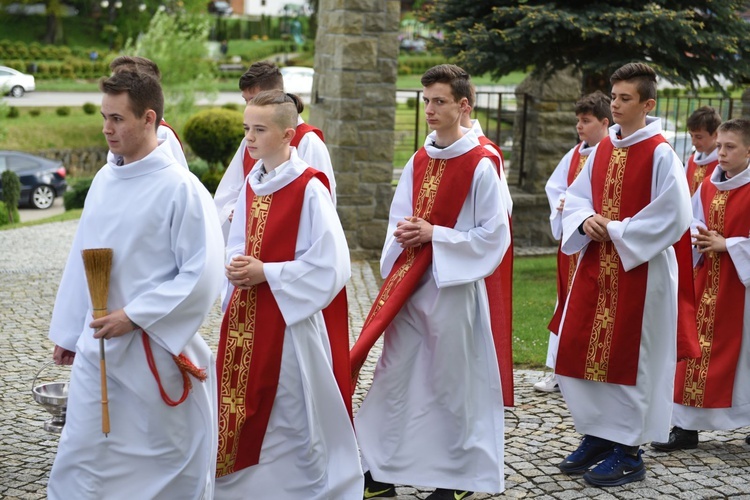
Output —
<point x="150" y="117"/>
<point x="289" y="134"/>
<point x="649" y="105"/>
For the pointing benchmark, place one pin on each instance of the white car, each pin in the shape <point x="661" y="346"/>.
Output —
<point x="15" y="83"/>
<point x="298" y="80"/>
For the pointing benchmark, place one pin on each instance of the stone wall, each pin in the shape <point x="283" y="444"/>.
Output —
<point x="354" y="103"/>
<point x="550" y="126"/>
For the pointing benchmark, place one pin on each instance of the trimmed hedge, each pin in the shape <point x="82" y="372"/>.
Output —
<point x="213" y="134"/>
<point x="4" y="214"/>
<point x="76" y="194"/>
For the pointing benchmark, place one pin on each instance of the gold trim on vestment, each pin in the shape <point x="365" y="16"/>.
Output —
<point x="423" y="208"/>
<point x="696" y="373"/>
<point x="600" y="341"/>
<point x="238" y="350"/>
<point x="698" y="174"/>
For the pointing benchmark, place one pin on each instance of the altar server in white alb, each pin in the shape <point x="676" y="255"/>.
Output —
<point x="166" y="274"/>
<point x="713" y="391"/>
<point x="308" y="140"/>
<point x="284" y="428"/>
<point x="434" y="413"/>
<point x="164" y="132"/>
<point x="619" y="337"/>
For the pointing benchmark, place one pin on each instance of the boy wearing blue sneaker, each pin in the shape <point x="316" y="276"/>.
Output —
<point x="618" y="338"/>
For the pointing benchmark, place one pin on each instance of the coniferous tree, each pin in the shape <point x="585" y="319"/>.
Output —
<point x="682" y="40"/>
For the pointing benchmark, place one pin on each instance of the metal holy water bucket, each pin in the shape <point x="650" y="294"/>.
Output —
<point x="53" y="396"/>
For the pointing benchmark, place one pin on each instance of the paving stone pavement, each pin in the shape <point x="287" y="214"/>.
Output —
<point x="539" y="430"/>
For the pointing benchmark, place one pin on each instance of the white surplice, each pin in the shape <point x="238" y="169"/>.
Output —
<point x="555" y="188"/>
<point x="309" y="450"/>
<point x="166" y="136"/>
<point x="434" y="413"/>
<point x="166" y="273"/>
<point x="738" y="415"/>
<point x="311" y="150"/>
<point x="633" y="415"/>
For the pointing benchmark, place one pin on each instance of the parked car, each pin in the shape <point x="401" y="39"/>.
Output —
<point x="41" y="179"/>
<point x="15" y="83"/>
<point x="220" y="8"/>
<point x="298" y="80"/>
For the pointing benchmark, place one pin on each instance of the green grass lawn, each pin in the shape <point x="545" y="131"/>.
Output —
<point x="534" y="292"/>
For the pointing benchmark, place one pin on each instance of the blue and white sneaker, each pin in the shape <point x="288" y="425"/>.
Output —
<point x="617" y="469"/>
<point x="592" y="450"/>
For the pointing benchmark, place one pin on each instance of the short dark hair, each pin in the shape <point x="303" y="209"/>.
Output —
<point x="740" y="126"/>
<point x="288" y="106"/>
<point x="597" y="104"/>
<point x="641" y="74"/>
<point x="262" y="75"/>
<point x="457" y="78"/>
<point x="143" y="90"/>
<point x="704" y="118"/>
<point x="135" y="63"/>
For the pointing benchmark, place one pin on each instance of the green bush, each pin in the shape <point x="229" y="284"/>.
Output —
<point x="11" y="193"/>
<point x="4" y="214"/>
<point x="213" y="134"/>
<point x="76" y="194"/>
<point x="63" y="111"/>
<point x="90" y="108"/>
<point x="411" y="102"/>
<point x="198" y="167"/>
<point x="13" y="112"/>
<point x="231" y="105"/>
<point x="211" y="179"/>
<point x="35" y="111"/>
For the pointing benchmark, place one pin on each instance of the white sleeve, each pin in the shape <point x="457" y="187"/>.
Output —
<point x="579" y="206"/>
<point x="462" y="256"/>
<point x="662" y="222"/>
<point x="315" y="153"/>
<point x="739" y="251"/>
<point x="401" y="207"/>
<point x="321" y="265"/>
<point x="229" y="188"/>
<point x="555" y="188"/>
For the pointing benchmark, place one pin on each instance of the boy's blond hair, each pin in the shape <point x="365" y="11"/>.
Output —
<point x="288" y="106"/>
<point x="740" y="126"/>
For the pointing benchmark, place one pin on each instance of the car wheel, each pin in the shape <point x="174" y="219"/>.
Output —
<point x="42" y="197"/>
<point x="17" y="91"/>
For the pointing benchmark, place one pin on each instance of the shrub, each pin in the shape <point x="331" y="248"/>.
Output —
<point x="63" y="111"/>
<point x="198" y="167"/>
<point x="89" y="108"/>
<point x="13" y="112"/>
<point x="231" y="105"/>
<point x="35" y="111"/>
<point x="76" y="195"/>
<point x="11" y="193"/>
<point x="213" y="134"/>
<point x="411" y="102"/>
<point x="4" y="214"/>
<point x="211" y="179"/>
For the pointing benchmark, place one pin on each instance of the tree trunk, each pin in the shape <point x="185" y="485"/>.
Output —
<point x="54" y="29"/>
<point x="595" y="81"/>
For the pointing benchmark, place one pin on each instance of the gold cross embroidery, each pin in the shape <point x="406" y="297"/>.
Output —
<point x="240" y="332"/>
<point x="610" y="264"/>
<point x="693" y="392"/>
<point x="233" y="401"/>
<point x="605" y="318"/>
<point x="595" y="372"/>
<point x="260" y="204"/>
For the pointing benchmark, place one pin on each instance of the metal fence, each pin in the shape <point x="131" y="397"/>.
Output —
<point x="497" y="111"/>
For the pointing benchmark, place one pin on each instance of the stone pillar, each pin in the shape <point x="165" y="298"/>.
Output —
<point x="354" y="103"/>
<point x="550" y="125"/>
<point x="746" y="103"/>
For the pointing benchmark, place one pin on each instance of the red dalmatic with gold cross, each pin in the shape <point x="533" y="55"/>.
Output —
<point x="600" y="337"/>
<point x="252" y="331"/>
<point x="707" y="382"/>
<point x="697" y="173"/>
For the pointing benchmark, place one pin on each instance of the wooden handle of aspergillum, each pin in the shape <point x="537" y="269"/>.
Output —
<point x="105" y="401"/>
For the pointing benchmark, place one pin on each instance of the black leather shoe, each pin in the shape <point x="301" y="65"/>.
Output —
<point x="679" y="439"/>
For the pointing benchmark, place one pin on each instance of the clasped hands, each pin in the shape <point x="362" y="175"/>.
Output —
<point x="412" y="232"/>
<point x="595" y="228"/>
<point x="245" y="271"/>
<point x="709" y="241"/>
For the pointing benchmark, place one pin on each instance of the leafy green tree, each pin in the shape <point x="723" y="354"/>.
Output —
<point x="682" y="40"/>
<point x="177" y="43"/>
<point x="54" y="11"/>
